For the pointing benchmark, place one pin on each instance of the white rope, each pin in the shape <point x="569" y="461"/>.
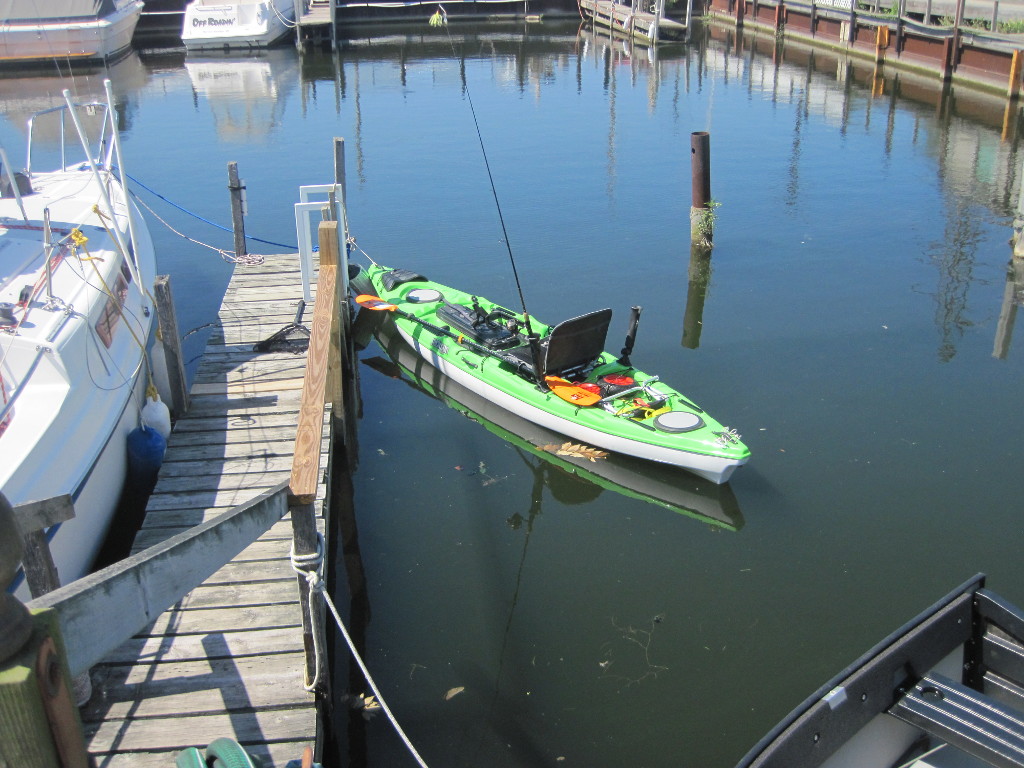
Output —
<point x="246" y="259"/>
<point x="311" y="567"/>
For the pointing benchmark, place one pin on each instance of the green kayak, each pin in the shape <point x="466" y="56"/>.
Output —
<point x="563" y="380"/>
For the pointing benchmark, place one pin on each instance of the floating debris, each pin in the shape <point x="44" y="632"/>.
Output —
<point x="366" y="702"/>
<point x="452" y="693"/>
<point x="576" y="450"/>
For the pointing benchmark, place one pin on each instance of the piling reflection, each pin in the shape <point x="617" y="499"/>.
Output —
<point x="1013" y="297"/>
<point x="570" y="475"/>
<point x="698" y="278"/>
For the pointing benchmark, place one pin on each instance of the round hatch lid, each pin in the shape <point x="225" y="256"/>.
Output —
<point x="678" y="421"/>
<point x="423" y="295"/>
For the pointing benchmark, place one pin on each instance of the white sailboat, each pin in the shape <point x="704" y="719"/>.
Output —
<point x="76" y="266"/>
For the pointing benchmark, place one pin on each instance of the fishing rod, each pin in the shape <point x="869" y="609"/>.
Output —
<point x="440" y="19"/>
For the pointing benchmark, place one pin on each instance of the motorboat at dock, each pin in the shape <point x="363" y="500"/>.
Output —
<point x="67" y="30"/>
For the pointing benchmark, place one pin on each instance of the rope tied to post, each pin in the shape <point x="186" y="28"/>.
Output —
<point x="311" y="567"/>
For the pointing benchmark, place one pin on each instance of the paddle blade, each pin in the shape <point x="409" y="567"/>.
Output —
<point x="570" y="392"/>
<point x="374" y="302"/>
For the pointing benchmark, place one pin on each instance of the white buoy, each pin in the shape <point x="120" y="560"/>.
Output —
<point x="156" y="415"/>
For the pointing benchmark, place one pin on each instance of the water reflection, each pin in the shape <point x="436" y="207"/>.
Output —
<point x="698" y="279"/>
<point x="23" y="93"/>
<point x="247" y="93"/>
<point x="954" y="257"/>
<point x="568" y="472"/>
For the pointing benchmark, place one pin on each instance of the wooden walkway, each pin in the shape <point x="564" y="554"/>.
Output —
<point x="227" y="660"/>
<point x="640" y="26"/>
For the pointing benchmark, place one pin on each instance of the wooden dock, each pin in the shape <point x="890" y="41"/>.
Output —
<point x="228" y="659"/>
<point x="634" y="22"/>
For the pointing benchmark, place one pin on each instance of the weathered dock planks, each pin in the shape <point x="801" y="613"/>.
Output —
<point x="226" y="660"/>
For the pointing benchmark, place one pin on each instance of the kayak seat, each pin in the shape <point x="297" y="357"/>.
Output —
<point x="396" y="277"/>
<point x="570" y="350"/>
<point x="470" y="324"/>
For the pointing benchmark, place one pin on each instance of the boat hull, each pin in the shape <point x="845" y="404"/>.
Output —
<point x="710" y="451"/>
<point x="75" y="543"/>
<point x="238" y="25"/>
<point x="946" y="690"/>
<point x="716" y="469"/>
<point x="77" y="39"/>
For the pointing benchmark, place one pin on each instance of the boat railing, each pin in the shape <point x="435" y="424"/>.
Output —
<point x="106" y="155"/>
<point x="104" y="148"/>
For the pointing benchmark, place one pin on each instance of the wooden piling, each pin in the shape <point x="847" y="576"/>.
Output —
<point x="1013" y="86"/>
<point x="237" y="209"/>
<point x="170" y="343"/>
<point x="881" y="43"/>
<point x="953" y="43"/>
<point x="33" y="519"/>
<point x="321" y="383"/>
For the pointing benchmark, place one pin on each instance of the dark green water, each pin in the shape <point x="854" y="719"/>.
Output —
<point x="849" y="328"/>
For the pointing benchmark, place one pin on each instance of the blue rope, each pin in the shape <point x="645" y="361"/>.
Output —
<point x="207" y="221"/>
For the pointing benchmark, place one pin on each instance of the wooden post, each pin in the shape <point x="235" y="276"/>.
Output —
<point x="333" y="4"/>
<point x="33" y="519"/>
<point x="953" y="44"/>
<point x="995" y="16"/>
<point x="171" y="343"/>
<point x="324" y="346"/>
<point x="237" y="209"/>
<point x="41" y="728"/>
<point x="1013" y="87"/>
<point x="881" y="43"/>
<point x="901" y="16"/>
<point x="15" y="624"/>
<point x="780" y="16"/>
<point x="298" y="5"/>
<point x="700" y="187"/>
<point x="741" y="7"/>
